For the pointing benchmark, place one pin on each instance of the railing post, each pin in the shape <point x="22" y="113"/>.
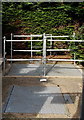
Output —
<point x="74" y="58"/>
<point x="51" y="45"/>
<point x="11" y="45"/>
<point x="44" y="54"/>
<point x="74" y="45"/>
<point x="4" y="64"/>
<point x="31" y="45"/>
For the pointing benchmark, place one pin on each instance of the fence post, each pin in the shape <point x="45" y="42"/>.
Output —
<point x="74" y="44"/>
<point x="44" y="54"/>
<point x="51" y="45"/>
<point x="11" y="45"/>
<point x="4" y="55"/>
<point x="31" y="45"/>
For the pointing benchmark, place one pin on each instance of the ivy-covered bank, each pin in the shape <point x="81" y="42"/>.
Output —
<point x="45" y="17"/>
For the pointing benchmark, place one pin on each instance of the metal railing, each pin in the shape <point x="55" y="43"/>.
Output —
<point x="45" y="38"/>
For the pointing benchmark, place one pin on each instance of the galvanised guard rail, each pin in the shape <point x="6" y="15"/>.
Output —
<point x="45" y="38"/>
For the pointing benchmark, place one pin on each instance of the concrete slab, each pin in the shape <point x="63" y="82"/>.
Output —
<point x="26" y="69"/>
<point x="36" y="99"/>
<point x="64" y="70"/>
<point x="37" y="70"/>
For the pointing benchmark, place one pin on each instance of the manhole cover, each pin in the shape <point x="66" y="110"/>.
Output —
<point x="36" y="99"/>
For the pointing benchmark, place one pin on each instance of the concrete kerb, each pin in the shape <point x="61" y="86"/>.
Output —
<point x="41" y="76"/>
<point x="7" y="99"/>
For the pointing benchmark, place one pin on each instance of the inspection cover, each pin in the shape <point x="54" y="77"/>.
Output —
<point x="36" y="99"/>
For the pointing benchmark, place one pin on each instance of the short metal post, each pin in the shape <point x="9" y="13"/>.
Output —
<point x="11" y="45"/>
<point x="74" y="45"/>
<point x="74" y="58"/>
<point x="4" y="64"/>
<point x="44" y="54"/>
<point x="51" y="44"/>
<point x="31" y="45"/>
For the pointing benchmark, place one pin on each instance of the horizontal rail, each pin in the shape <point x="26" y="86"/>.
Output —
<point x="47" y="40"/>
<point x="67" y="40"/>
<point x="24" y="76"/>
<point x="28" y="50"/>
<point x="37" y="46"/>
<point x="58" y="36"/>
<point x="27" y="35"/>
<point x="22" y="40"/>
<point x="70" y="60"/>
<point x="23" y="59"/>
<point x="59" y="49"/>
<point x="48" y="35"/>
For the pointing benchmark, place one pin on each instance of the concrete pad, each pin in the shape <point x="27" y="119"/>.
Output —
<point x="51" y="70"/>
<point x="26" y="69"/>
<point x="36" y="99"/>
<point x="64" y="70"/>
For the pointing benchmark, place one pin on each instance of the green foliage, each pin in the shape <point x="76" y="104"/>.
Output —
<point x="79" y="47"/>
<point x="45" y="17"/>
<point x="37" y="18"/>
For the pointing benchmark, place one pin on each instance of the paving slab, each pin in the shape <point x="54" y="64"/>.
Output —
<point x="37" y="70"/>
<point x="64" y="70"/>
<point x="36" y="99"/>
